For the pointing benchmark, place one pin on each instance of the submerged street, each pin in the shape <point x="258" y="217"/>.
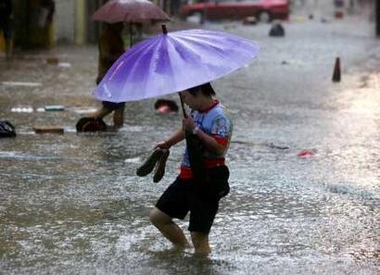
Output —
<point x="304" y="162"/>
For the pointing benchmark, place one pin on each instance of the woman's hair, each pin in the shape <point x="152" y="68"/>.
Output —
<point x="206" y="89"/>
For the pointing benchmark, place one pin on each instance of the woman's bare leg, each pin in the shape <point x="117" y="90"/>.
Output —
<point x="118" y="117"/>
<point x="100" y="113"/>
<point x="201" y="243"/>
<point x="168" y="228"/>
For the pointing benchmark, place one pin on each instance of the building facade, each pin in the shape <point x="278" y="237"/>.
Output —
<point x="69" y="22"/>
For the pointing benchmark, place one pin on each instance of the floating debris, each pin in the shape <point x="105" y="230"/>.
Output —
<point x="17" y="83"/>
<point x="54" y="108"/>
<point x="48" y="130"/>
<point x="306" y="153"/>
<point x="21" y="109"/>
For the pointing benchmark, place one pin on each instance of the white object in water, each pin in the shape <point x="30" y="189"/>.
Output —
<point x="54" y="108"/>
<point x="15" y="83"/>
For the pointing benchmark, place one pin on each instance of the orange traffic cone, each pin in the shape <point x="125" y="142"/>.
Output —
<point x="336" y="74"/>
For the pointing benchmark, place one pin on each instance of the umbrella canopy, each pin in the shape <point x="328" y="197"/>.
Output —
<point x="132" y="11"/>
<point x="173" y="62"/>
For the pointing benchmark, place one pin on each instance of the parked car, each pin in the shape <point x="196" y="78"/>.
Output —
<point x="262" y="10"/>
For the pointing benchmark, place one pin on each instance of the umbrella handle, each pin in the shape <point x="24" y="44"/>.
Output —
<point x="183" y="106"/>
<point x="164" y="30"/>
<point x="130" y="33"/>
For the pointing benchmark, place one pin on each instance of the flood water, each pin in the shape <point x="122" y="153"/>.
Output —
<point x="72" y="204"/>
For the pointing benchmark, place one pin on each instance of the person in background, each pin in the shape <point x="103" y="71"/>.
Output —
<point x="49" y="9"/>
<point x="111" y="47"/>
<point x="6" y="10"/>
<point x="45" y="35"/>
<point x="210" y="123"/>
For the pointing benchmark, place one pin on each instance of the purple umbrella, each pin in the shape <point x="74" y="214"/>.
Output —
<point x="173" y="62"/>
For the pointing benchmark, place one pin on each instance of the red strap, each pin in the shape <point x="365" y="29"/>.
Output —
<point x="187" y="173"/>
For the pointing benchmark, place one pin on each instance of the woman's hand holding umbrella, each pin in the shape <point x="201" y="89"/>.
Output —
<point x="188" y="124"/>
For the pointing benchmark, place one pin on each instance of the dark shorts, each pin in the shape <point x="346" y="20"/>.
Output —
<point x="112" y="105"/>
<point x="182" y="196"/>
<point x="6" y="27"/>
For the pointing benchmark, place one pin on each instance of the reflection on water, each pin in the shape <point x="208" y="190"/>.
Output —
<point x="72" y="203"/>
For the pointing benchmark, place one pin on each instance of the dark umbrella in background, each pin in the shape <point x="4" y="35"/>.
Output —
<point x="130" y="11"/>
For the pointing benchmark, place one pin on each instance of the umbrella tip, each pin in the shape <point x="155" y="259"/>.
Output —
<point x="164" y="30"/>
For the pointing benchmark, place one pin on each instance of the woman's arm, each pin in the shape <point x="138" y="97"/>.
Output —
<point x="174" y="139"/>
<point x="209" y="142"/>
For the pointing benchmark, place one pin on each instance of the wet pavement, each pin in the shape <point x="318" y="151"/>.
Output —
<point x="304" y="164"/>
